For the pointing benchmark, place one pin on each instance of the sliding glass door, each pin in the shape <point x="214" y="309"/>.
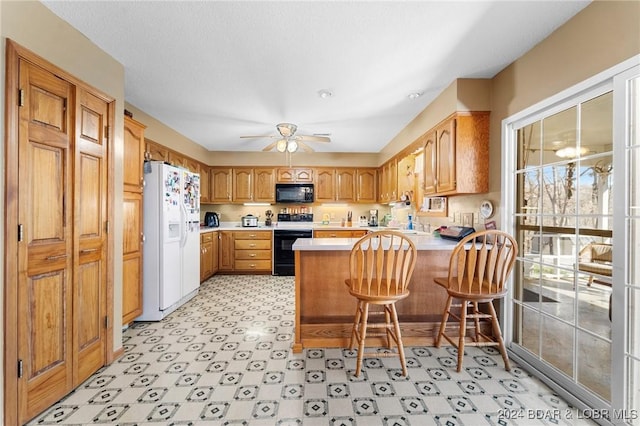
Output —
<point x="572" y="199"/>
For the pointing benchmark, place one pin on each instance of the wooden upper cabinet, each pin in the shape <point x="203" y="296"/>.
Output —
<point x="446" y="156"/>
<point x="461" y="155"/>
<point x="192" y="165"/>
<point x="294" y="175"/>
<point x="156" y="152"/>
<point x="264" y="185"/>
<point x="178" y="160"/>
<point x="242" y="185"/>
<point x="134" y="148"/>
<point x="345" y="185"/>
<point x="389" y="181"/>
<point x="205" y="183"/>
<point x="430" y="160"/>
<point x="221" y="182"/>
<point x="366" y="183"/>
<point x="325" y="185"/>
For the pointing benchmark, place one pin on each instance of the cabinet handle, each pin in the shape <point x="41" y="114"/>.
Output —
<point x="252" y="235"/>
<point x="252" y="245"/>
<point x="252" y="255"/>
<point x="85" y="251"/>
<point x="60" y="256"/>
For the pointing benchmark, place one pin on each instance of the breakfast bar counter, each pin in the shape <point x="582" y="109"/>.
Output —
<point x="325" y="309"/>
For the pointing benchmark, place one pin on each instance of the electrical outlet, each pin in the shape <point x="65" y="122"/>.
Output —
<point x="452" y="218"/>
<point x="333" y="215"/>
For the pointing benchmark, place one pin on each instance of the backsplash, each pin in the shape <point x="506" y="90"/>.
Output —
<point x="457" y="206"/>
<point x="234" y="212"/>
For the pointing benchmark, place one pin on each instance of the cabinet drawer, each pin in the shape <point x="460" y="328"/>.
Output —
<point x="339" y="234"/>
<point x="252" y="244"/>
<point x="253" y="235"/>
<point x="257" y="265"/>
<point x="253" y="254"/>
<point x="206" y="237"/>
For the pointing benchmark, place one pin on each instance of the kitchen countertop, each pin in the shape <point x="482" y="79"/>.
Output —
<point x="422" y="241"/>
<point x="232" y="226"/>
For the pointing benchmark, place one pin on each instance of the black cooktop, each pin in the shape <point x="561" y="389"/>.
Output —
<point x="295" y="217"/>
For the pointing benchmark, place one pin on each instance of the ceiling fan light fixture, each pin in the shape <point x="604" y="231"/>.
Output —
<point x="414" y="95"/>
<point x="292" y="146"/>
<point x="324" y="93"/>
<point x="571" y="152"/>
<point x="281" y="145"/>
<point x="286" y="129"/>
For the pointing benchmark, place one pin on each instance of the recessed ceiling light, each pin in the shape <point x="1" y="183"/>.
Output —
<point x="324" y="93"/>
<point x="414" y="95"/>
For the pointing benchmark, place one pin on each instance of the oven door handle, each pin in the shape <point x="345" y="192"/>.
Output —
<point x="289" y="235"/>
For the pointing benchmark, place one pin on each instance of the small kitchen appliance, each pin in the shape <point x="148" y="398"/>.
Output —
<point x="268" y="215"/>
<point x="373" y="217"/>
<point x="294" y="193"/>
<point x="249" y="221"/>
<point x="211" y="220"/>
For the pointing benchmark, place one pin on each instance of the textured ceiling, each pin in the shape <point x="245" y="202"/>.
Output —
<point x="216" y="70"/>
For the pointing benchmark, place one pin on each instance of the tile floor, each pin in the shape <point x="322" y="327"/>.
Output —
<point x="224" y="358"/>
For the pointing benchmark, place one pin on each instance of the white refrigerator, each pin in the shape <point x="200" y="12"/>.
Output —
<point x="171" y="256"/>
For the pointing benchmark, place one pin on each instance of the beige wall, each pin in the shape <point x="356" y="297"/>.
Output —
<point x="166" y="136"/>
<point x="33" y="26"/>
<point x="602" y="35"/>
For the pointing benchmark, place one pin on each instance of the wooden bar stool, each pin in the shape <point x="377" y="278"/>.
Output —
<point x="380" y="268"/>
<point x="478" y="270"/>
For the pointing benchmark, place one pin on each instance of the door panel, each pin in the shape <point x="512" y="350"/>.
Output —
<point x="90" y="196"/>
<point x="90" y="219"/>
<point x="44" y="255"/>
<point x="46" y="299"/>
<point x="132" y="257"/>
<point x="47" y="199"/>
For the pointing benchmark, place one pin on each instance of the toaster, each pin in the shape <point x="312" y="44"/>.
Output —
<point x="249" y="221"/>
<point x="211" y="220"/>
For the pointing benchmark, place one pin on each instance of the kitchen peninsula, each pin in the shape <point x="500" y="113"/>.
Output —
<point x="325" y="310"/>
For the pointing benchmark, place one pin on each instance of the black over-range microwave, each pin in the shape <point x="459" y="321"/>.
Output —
<point x="294" y="193"/>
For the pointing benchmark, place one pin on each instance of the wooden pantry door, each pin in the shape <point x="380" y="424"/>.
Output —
<point x="45" y="257"/>
<point x="57" y="245"/>
<point x="90" y="214"/>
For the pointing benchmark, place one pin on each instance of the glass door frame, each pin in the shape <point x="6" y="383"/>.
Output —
<point x="581" y="92"/>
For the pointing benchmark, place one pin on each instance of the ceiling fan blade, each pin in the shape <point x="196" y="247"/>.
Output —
<point x="270" y="146"/>
<point x="305" y="147"/>
<point x="310" y="138"/>
<point x="261" y="136"/>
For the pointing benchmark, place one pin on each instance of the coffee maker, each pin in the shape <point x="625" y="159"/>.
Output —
<point x="373" y="217"/>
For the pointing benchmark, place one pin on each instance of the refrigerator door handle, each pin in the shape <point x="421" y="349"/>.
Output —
<point x="185" y="225"/>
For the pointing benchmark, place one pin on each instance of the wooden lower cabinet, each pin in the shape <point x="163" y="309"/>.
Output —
<point x="132" y="257"/>
<point x="340" y="233"/>
<point x="206" y="261"/>
<point x="208" y="254"/>
<point x="225" y="251"/>
<point x="252" y="251"/>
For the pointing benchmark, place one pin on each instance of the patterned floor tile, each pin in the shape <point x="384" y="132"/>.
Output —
<point x="225" y="358"/>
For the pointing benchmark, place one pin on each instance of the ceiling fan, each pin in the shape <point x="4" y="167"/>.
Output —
<point x="288" y="141"/>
